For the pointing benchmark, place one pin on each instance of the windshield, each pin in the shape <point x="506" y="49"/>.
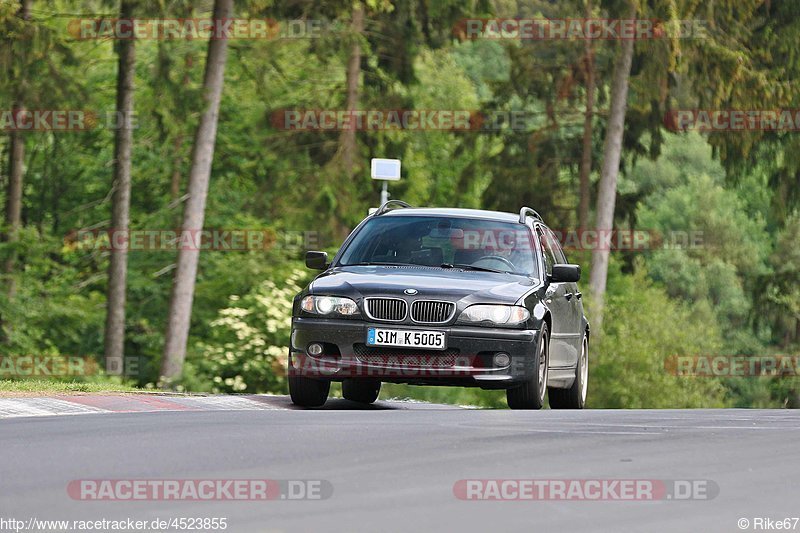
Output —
<point x="436" y="241"/>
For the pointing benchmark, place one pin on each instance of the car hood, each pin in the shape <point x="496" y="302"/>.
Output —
<point x="438" y="283"/>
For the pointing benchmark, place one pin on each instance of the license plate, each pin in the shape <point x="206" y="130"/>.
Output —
<point x="431" y="340"/>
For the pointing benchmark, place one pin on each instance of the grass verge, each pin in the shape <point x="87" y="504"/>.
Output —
<point x="30" y="387"/>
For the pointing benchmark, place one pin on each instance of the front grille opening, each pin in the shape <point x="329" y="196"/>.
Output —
<point x="431" y="311"/>
<point x="405" y="357"/>
<point x="391" y="309"/>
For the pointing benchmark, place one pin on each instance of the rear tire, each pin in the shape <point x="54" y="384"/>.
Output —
<point x="530" y="395"/>
<point x="307" y="392"/>
<point x="361" y="390"/>
<point x="575" y="396"/>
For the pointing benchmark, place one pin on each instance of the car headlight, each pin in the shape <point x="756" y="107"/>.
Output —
<point x="326" y="305"/>
<point x="502" y="315"/>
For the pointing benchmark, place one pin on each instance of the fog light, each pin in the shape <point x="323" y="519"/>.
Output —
<point x="502" y="359"/>
<point x="315" y="348"/>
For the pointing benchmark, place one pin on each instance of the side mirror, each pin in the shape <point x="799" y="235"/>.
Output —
<point x="565" y="273"/>
<point x="317" y="260"/>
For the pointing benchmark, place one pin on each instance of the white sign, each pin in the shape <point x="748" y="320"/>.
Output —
<point x="385" y="169"/>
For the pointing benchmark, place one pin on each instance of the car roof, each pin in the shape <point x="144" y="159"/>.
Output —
<point x="452" y="212"/>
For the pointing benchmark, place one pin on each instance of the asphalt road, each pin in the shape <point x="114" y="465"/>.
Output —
<point x="394" y="469"/>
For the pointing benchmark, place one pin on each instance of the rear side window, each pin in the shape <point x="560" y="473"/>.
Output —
<point x="547" y="251"/>
<point x="556" y="246"/>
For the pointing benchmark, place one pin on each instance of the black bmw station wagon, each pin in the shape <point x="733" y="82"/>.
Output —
<point x="455" y="297"/>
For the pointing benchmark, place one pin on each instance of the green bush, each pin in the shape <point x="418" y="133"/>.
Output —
<point x="643" y="328"/>
<point x="247" y="342"/>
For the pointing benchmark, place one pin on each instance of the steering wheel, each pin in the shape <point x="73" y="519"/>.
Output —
<point x="497" y="258"/>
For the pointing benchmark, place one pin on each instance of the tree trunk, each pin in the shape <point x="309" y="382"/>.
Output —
<point x="177" y="159"/>
<point x="121" y="201"/>
<point x="607" y="191"/>
<point x="347" y="139"/>
<point x="180" y="306"/>
<point x="16" y="163"/>
<point x="586" y="156"/>
<point x="177" y="145"/>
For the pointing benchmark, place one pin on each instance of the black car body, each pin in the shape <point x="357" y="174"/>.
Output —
<point x="443" y="297"/>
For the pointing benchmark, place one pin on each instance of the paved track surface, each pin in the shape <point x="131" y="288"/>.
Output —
<point x="393" y="466"/>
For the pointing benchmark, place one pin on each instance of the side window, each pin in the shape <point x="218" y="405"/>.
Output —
<point x="547" y="253"/>
<point x="556" y="247"/>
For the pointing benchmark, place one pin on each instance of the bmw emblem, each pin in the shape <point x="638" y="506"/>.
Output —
<point x="411" y="292"/>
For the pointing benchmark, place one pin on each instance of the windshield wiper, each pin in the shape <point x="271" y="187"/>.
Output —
<point x="380" y="263"/>
<point x="473" y="267"/>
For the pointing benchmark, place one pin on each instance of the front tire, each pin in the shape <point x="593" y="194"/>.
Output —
<point x="307" y="392"/>
<point x="361" y="390"/>
<point x="575" y="396"/>
<point x="530" y="395"/>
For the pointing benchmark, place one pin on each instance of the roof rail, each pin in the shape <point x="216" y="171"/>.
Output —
<point x="525" y="211"/>
<point x="385" y="207"/>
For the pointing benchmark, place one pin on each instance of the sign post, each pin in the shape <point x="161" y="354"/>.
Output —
<point x="385" y="170"/>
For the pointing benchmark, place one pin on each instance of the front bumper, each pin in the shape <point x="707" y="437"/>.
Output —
<point x="467" y="361"/>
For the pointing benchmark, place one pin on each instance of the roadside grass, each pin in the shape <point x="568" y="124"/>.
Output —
<point x="9" y="387"/>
